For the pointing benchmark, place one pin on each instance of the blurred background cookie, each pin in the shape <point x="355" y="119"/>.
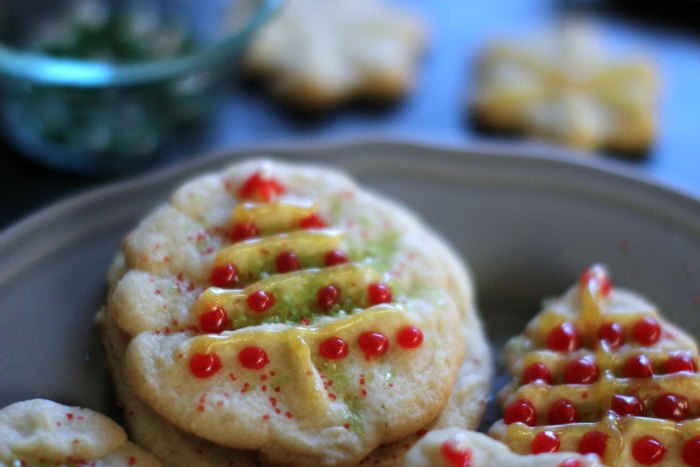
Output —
<point x="565" y="87"/>
<point x="316" y="54"/>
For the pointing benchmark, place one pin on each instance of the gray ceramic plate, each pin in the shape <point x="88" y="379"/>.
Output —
<point x="528" y="225"/>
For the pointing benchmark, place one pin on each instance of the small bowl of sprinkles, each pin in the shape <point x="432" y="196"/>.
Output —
<point x="99" y="86"/>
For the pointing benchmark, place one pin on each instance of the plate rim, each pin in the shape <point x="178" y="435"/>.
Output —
<point x="547" y="156"/>
<point x="484" y="159"/>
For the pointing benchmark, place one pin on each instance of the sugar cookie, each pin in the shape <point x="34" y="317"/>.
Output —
<point x="282" y="314"/>
<point x="320" y="53"/>
<point x="599" y="371"/>
<point x="42" y="432"/>
<point x="451" y="447"/>
<point x="564" y="88"/>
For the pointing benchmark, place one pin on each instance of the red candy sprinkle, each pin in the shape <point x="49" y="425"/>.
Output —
<point x="681" y="361"/>
<point x="334" y="258"/>
<point x="378" y="292"/>
<point x="564" y="338"/>
<point x="545" y="441"/>
<point x="646" y="331"/>
<point x="520" y="411"/>
<point x="562" y="412"/>
<point x="327" y="297"/>
<point x="253" y="358"/>
<point x="409" y="337"/>
<point x="691" y="452"/>
<point x="538" y="371"/>
<point x="593" y="442"/>
<point x="570" y="462"/>
<point x="313" y="221"/>
<point x="204" y="365"/>
<point x="373" y="344"/>
<point x="581" y="371"/>
<point x="225" y="276"/>
<point x="671" y="407"/>
<point x="647" y="450"/>
<point x="260" y="301"/>
<point x="455" y="456"/>
<point x="599" y="274"/>
<point x="333" y="348"/>
<point x="260" y="187"/>
<point x="287" y="261"/>
<point x="243" y="231"/>
<point x="214" y="321"/>
<point x="611" y="333"/>
<point x="638" y="366"/>
<point x="626" y="405"/>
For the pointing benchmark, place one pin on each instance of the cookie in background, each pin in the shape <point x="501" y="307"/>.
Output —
<point x="319" y="54"/>
<point x="564" y="86"/>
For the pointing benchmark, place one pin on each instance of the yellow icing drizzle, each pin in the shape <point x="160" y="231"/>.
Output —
<point x="253" y="256"/>
<point x="606" y="84"/>
<point x="379" y="313"/>
<point x="595" y="309"/>
<point x="274" y="217"/>
<point x="294" y="346"/>
<point x="621" y="431"/>
<point x="295" y="293"/>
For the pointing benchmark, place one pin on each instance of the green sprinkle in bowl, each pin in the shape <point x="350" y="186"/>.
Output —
<point x="99" y="86"/>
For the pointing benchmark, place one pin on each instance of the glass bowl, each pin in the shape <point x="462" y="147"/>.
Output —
<point x="98" y="86"/>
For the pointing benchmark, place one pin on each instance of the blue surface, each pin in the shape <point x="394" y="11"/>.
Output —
<point x="435" y="110"/>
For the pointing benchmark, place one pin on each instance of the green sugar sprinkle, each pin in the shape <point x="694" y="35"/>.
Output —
<point x="355" y="422"/>
<point x="380" y="250"/>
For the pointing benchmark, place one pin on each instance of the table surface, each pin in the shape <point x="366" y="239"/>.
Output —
<point x="435" y="110"/>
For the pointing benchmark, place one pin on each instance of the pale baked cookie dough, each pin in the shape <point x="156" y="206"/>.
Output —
<point x="600" y="371"/>
<point x="42" y="432"/>
<point x="562" y="86"/>
<point x="456" y="447"/>
<point x="275" y="385"/>
<point x="317" y="54"/>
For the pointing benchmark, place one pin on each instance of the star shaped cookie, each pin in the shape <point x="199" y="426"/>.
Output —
<point x="565" y="87"/>
<point x="316" y="54"/>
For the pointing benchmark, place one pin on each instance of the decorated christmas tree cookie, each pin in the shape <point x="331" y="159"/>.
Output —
<point x="280" y="314"/>
<point x="600" y="371"/>
<point x="565" y="86"/>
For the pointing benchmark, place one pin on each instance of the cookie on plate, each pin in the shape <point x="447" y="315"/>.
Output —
<point x="316" y="54"/>
<point x="600" y="371"/>
<point x="456" y="447"/>
<point x="42" y="432"/>
<point x="563" y="87"/>
<point x="279" y="313"/>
